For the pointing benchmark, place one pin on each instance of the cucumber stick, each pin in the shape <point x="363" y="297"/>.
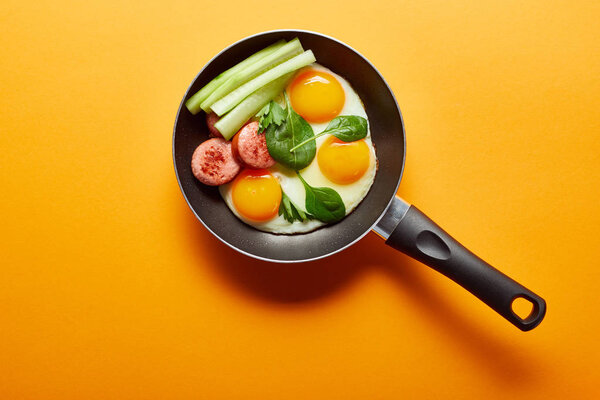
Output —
<point x="193" y="103"/>
<point x="236" y="118"/>
<point x="285" y="52"/>
<point x="239" y="94"/>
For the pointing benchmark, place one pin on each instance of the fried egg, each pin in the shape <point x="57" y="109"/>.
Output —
<point x="318" y="95"/>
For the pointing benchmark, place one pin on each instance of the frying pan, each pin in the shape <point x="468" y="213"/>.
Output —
<point x="402" y="225"/>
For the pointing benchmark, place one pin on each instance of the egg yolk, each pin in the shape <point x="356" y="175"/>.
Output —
<point x="317" y="96"/>
<point x="343" y="162"/>
<point x="256" y="194"/>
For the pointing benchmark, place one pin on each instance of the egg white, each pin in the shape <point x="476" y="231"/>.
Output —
<point x="351" y="194"/>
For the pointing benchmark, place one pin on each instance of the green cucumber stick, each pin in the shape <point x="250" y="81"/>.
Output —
<point x="236" y="118"/>
<point x="193" y="103"/>
<point x="285" y="52"/>
<point x="234" y="98"/>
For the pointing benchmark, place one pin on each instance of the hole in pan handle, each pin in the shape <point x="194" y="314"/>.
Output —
<point x="408" y="230"/>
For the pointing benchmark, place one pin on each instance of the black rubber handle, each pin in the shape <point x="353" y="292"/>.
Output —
<point x="419" y="237"/>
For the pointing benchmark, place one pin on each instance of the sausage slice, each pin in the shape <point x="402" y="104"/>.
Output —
<point x="211" y="120"/>
<point x="213" y="162"/>
<point x="251" y="148"/>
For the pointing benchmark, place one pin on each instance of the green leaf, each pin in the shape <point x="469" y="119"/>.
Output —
<point x="270" y="114"/>
<point x="263" y="111"/>
<point x="323" y="203"/>
<point x="347" y="128"/>
<point x="292" y="131"/>
<point x="290" y="211"/>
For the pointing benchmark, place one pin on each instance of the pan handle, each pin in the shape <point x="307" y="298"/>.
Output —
<point x="407" y="229"/>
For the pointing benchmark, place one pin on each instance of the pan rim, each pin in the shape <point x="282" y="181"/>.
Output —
<point x="279" y="261"/>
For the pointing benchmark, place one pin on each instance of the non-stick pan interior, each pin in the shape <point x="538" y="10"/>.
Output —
<point x="387" y="133"/>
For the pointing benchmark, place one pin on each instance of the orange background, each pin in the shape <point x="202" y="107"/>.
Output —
<point x="110" y="289"/>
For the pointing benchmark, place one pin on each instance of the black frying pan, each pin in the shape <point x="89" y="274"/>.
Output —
<point x="403" y="226"/>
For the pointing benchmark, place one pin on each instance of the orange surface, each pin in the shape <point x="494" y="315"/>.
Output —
<point x="110" y="289"/>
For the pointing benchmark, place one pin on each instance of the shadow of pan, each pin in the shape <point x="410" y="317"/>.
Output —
<point x="508" y="356"/>
<point x="507" y="361"/>
<point x="272" y="282"/>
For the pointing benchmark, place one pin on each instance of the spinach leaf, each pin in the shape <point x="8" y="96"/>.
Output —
<point x="290" y="211"/>
<point x="294" y="130"/>
<point x="347" y="128"/>
<point x="271" y="113"/>
<point x="325" y="204"/>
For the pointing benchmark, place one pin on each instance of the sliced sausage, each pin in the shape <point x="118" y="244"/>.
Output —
<point x="211" y="120"/>
<point x="251" y="148"/>
<point x="213" y="162"/>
